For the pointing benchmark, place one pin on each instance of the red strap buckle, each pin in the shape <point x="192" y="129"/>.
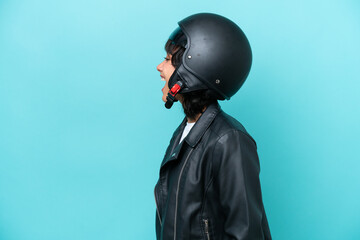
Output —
<point x="175" y="89"/>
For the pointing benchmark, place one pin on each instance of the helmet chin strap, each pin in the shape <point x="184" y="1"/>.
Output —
<point x="170" y="99"/>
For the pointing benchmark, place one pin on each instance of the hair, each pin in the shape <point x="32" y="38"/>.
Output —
<point x="194" y="102"/>
<point x="176" y="52"/>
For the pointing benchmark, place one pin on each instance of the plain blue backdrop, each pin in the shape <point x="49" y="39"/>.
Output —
<point x="83" y="129"/>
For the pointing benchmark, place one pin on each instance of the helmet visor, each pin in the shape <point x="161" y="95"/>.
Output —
<point x="177" y="37"/>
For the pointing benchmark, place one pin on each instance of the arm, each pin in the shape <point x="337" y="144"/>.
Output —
<point x="236" y="169"/>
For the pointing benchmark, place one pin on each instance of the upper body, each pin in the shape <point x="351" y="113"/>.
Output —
<point x="208" y="185"/>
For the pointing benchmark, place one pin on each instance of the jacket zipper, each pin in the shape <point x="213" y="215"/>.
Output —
<point x="177" y="191"/>
<point x="157" y="208"/>
<point x="206" y="222"/>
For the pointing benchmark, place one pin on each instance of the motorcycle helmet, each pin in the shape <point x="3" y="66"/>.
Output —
<point x="217" y="56"/>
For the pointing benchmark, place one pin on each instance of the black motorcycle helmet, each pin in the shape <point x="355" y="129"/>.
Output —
<point x="217" y="56"/>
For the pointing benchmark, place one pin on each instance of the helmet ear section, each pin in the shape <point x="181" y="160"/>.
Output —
<point x="175" y="85"/>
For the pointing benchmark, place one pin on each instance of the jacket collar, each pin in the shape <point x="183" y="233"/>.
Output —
<point x="202" y="124"/>
<point x="194" y="136"/>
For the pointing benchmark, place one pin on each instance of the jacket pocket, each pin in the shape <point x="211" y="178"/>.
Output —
<point x="206" y="228"/>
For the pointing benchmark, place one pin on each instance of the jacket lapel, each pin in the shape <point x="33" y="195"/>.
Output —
<point x="194" y="136"/>
<point x="174" y="154"/>
<point x="174" y="147"/>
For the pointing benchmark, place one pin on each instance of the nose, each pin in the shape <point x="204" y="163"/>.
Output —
<point x="160" y="66"/>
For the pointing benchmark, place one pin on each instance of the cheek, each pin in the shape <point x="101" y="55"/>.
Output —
<point x="167" y="85"/>
<point x="170" y="73"/>
<point x="170" y="69"/>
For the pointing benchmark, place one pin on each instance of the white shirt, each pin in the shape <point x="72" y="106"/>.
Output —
<point x="187" y="130"/>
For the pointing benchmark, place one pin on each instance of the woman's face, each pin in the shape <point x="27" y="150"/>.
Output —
<point x="166" y="69"/>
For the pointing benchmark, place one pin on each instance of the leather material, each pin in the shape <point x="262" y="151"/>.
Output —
<point x="191" y="83"/>
<point x="217" y="54"/>
<point x="209" y="185"/>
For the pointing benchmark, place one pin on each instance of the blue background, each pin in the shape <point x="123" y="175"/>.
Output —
<point x="83" y="129"/>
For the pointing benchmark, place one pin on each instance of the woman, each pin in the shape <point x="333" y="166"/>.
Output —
<point x="209" y="185"/>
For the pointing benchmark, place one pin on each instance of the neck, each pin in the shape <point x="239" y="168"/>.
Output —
<point x="192" y="120"/>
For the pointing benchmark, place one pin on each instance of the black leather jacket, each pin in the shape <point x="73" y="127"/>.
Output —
<point x="209" y="184"/>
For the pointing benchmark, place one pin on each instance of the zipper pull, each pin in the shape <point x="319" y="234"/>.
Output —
<point x="206" y="222"/>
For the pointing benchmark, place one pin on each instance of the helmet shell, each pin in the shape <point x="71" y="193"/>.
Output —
<point x="217" y="54"/>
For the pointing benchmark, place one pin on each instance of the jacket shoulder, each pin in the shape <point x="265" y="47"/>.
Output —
<point x="224" y="124"/>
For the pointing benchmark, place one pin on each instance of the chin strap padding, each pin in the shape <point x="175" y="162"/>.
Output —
<point x="170" y="99"/>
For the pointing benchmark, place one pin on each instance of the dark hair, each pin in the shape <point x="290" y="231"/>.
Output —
<point x="193" y="102"/>
<point x="176" y="52"/>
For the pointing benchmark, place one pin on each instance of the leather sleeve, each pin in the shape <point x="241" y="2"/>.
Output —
<point x="236" y="176"/>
